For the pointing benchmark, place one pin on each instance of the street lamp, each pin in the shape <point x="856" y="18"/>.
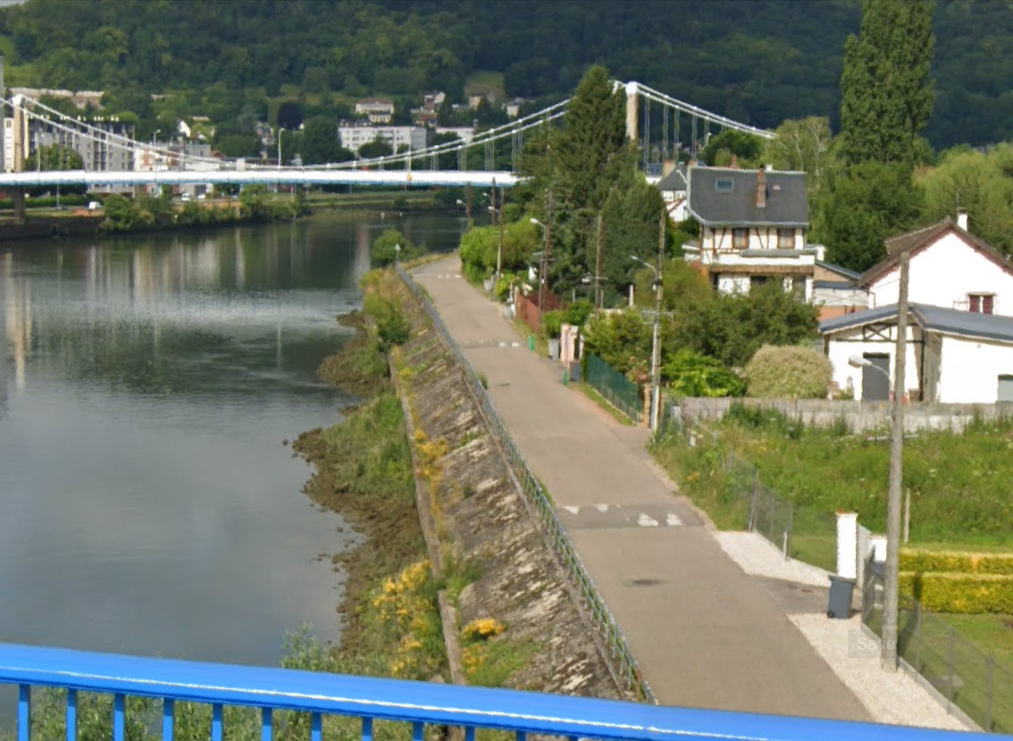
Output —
<point x="545" y="264"/>
<point x="397" y="254"/>
<point x="856" y="361"/>
<point x="656" y="345"/>
<point x="499" y="249"/>
<point x="467" y="209"/>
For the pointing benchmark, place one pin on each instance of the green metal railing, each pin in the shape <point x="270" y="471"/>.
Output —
<point x="599" y="611"/>
<point x="615" y="388"/>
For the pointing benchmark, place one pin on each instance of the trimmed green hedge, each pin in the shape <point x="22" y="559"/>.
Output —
<point x="955" y="562"/>
<point x="968" y="594"/>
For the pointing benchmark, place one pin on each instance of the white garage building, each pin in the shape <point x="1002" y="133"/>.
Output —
<point x="953" y="356"/>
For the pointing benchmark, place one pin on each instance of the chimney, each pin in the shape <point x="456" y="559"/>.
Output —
<point x="667" y="167"/>
<point x="962" y="218"/>
<point x="761" y="188"/>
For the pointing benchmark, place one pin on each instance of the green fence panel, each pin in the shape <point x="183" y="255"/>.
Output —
<point x="615" y="388"/>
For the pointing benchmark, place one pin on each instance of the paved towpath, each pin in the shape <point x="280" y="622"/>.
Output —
<point x="704" y="633"/>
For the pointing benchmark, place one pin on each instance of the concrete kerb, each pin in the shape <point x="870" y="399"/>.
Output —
<point x="562" y="549"/>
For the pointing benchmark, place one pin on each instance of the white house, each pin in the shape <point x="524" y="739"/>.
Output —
<point x="673" y="187"/>
<point x="949" y="267"/>
<point x="953" y="356"/>
<point x="378" y="110"/>
<point x="754" y="226"/>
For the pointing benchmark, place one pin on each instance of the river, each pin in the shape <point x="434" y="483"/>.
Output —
<point x="148" y="504"/>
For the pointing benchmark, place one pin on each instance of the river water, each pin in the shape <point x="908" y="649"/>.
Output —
<point x="148" y="504"/>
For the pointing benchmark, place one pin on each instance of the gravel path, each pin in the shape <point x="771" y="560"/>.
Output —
<point x="894" y="698"/>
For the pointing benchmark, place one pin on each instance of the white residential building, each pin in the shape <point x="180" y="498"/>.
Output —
<point x="378" y="110"/>
<point x="674" y="187"/>
<point x="354" y="135"/>
<point x="753" y="228"/>
<point x="953" y="356"/>
<point x="464" y="133"/>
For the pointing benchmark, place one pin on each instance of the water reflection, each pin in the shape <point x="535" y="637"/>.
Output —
<point x="147" y="504"/>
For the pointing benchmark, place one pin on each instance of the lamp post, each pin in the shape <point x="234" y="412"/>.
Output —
<point x="467" y="210"/>
<point x="545" y="264"/>
<point x="655" y="344"/>
<point x="498" y="214"/>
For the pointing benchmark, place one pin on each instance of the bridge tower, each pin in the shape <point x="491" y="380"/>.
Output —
<point x="19" y="137"/>
<point x="632" y="101"/>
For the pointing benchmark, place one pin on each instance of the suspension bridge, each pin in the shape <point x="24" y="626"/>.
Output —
<point x="672" y="126"/>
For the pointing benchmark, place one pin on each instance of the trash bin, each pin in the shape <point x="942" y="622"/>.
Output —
<point x="839" y="606"/>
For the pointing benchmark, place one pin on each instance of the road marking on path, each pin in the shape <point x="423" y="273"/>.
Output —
<point x="602" y="507"/>
<point x="645" y="521"/>
<point x="572" y="510"/>
<point x="673" y="520"/>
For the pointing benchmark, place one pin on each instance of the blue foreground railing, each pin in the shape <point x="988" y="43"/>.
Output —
<point x="416" y="703"/>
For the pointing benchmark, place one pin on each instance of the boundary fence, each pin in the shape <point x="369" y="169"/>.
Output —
<point x="967" y="677"/>
<point x="802" y="533"/>
<point x="614" y="387"/>
<point x="533" y="489"/>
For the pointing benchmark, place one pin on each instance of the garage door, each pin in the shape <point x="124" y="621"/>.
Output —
<point x="1005" y="388"/>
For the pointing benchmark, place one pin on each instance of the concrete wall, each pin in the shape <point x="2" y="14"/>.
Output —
<point x="860" y="416"/>
<point x="943" y="274"/>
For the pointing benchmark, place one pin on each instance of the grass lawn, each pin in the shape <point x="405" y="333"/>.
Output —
<point x="482" y="82"/>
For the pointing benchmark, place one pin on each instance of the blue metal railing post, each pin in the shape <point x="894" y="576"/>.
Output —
<point x="25" y="712"/>
<point x="168" y="718"/>
<point x="71" y="715"/>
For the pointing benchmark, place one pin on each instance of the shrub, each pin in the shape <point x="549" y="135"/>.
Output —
<point x="552" y="323"/>
<point x="967" y="594"/>
<point x="578" y="312"/>
<point x="690" y="374"/>
<point x="788" y="372"/>
<point x="919" y="561"/>
<point x="622" y="339"/>
<point x="392" y="327"/>
<point x="382" y="252"/>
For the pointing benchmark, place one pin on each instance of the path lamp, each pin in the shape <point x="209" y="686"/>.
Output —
<point x="656" y="345"/>
<point x="498" y="213"/>
<point x="467" y="210"/>
<point x="397" y="254"/>
<point x="545" y="265"/>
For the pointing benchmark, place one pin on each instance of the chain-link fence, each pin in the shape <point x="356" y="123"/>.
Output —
<point x="613" y="635"/>
<point x="965" y="675"/>
<point x="615" y="388"/>
<point x="803" y="533"/>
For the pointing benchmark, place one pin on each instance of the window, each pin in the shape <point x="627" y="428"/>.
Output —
<point x="723" y="184"/>
<point x="981" y="303"/>
<point x="740" y="238"/>
<point x="758" y="280"/>
<point x="786" y="239"/>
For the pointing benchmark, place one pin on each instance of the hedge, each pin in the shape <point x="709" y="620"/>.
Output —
<point x="955" y="562"/>
<point x="968" y="594"/>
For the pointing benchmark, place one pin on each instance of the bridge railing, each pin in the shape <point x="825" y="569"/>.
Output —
<point x="374" y="705"/>
<point x="600" y="612"/>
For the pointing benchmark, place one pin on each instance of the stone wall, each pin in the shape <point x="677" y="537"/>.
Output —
<point x="482" y="518"/>
<point x="860" y="416"/>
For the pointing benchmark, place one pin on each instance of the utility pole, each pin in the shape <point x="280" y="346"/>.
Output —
<point x="470" y="196"/>
<point x="492" y="195"/>
<point x="499" y="250"/>
<point x="543" y="273"/>
<point x="896" y="476"/>
<point x="656" y="349"/>
<point x="597" y="269"/>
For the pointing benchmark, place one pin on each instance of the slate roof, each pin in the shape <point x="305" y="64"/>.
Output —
<point x="787" y="205"/>
<point x="839" y="269"/>
<point x="933" y="319"/>
<point x="913" y="241"/>
<point x="675" y="180"/>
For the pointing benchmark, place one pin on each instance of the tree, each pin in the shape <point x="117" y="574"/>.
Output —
<point x="55" y="157"/>
<point x="804" y="145"/>
<point x="868" y="203"/>
<point x="320" y="143"/>
<point x="376" y="148"/>
<point x="383" y="253"/>
<point x="721" y="148"/>
<point x="238" y="145"/>
<point x="254" y="199"/>
<point x="979" y="182"/>
<point x="314" y="80"/>
<point x="289" y="115"/>
<point x="886" y="95"/>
